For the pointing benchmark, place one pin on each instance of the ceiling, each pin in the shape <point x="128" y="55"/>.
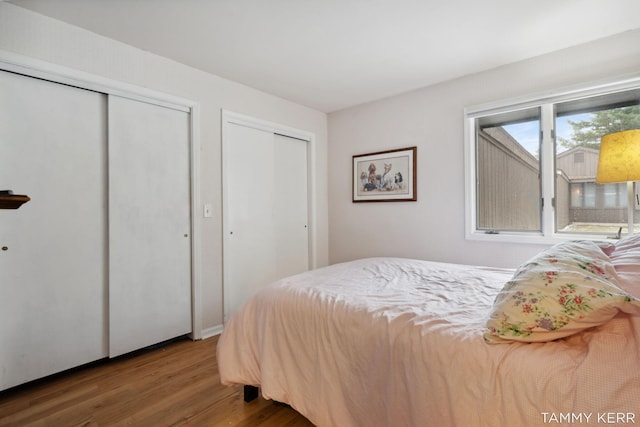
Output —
<point x="333" y="54"/>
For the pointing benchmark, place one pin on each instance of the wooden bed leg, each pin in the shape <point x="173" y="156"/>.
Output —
<point x="250" y="393"/>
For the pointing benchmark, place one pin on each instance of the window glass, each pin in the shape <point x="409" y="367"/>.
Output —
<point x="610" y="196"/>
<point x="583" y="195"/>
<point x="614" y="196"/>
<point x="577" y="195"/>
<point x="590" y="207"/>
<point x="589" y="194"/>
<point x="534" y="166"/>
<point x="508" y="169"/>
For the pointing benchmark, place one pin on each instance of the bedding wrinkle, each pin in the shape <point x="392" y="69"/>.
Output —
<point x="393" y="342"/>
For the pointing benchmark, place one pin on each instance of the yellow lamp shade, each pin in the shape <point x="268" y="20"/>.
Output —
<point x="619" y="159"/>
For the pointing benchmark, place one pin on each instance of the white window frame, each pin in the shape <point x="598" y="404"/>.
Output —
<point x="546" y="102"/>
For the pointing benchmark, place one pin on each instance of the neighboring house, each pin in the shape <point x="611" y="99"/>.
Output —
<point x="588" y="202"/>
<point x="508" y="176"/>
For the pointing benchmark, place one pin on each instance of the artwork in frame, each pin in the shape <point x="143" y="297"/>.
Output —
<point x="385" y="176"/>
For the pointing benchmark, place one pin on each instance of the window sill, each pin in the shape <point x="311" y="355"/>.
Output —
<point x="535" y="238"/>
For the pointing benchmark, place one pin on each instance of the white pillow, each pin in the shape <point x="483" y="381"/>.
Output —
<point x="625" y="258"/>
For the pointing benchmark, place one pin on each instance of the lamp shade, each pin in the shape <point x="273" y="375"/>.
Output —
<point x="619" y="159"/>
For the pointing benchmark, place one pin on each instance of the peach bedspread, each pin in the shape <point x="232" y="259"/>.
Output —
<point x="399" y="342"/>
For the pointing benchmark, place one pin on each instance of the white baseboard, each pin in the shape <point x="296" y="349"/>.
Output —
<point x="212" y="332"/>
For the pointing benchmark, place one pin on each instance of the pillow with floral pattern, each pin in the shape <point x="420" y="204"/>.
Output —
<point x="561" y="291"/>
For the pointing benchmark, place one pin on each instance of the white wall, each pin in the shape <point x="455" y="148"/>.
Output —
<point x="432" y="119"/>
<point x="46" y="39"/>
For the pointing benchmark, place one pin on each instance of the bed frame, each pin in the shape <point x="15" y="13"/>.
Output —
<point x="250" y="393"/>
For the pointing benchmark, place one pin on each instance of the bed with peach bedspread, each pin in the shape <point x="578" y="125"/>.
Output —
<point x="400" y="342"/>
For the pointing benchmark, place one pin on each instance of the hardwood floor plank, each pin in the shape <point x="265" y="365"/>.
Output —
<point x="177" y="384"/>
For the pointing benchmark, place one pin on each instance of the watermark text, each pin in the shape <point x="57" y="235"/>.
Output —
<point x="588" y="417"/>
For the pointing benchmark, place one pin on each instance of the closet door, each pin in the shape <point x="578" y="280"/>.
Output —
<point x="149" y="224"/>
<point x="266" y="219"/>
<point x="290" y="206"/>
<point x="53" y="278"/>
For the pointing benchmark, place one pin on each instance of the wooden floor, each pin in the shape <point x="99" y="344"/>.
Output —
<point x="174" y="385"/>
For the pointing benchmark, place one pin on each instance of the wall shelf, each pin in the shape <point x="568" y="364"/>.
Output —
<point x="8" y="200"/>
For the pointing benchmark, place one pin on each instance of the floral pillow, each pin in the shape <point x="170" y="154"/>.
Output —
<point x="563" y="290"/>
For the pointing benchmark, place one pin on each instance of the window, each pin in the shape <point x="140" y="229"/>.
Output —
<point x="583" y="195"/>
<point x="615" y="195"/>
<point x="532" y="164"/>
<point x="578" y="157"/>
<point x="508" y="169"/>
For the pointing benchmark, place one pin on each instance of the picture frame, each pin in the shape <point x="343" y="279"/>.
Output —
<point x="385" y="176"/>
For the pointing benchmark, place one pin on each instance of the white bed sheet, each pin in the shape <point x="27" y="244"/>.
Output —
<point x="398" y="342"/>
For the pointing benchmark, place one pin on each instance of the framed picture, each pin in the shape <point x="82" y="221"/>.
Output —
<point x="385" y="176"/>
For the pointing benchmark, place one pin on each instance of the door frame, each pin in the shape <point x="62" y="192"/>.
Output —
<point x="16" y="63"/>
<point x="232" y="118"/>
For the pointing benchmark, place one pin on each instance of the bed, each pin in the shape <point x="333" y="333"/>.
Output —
<point x="401" y="342"/>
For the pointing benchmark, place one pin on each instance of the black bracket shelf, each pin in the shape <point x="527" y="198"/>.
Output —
<point x="8" y="200"/>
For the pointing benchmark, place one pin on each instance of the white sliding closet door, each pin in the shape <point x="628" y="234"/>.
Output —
<point x="290" y="217"/>
<point x="53" y="278"/>
<point x="149" y="224"/>
<point x="266" y="212"/>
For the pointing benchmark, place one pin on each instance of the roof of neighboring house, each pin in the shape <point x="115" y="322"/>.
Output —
<point x="578" y="163"/>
